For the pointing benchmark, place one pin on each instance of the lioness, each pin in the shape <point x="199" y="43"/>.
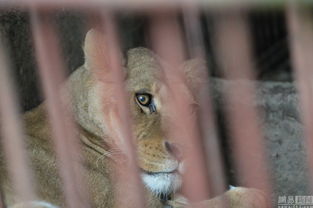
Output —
<point x="156" y="158"/>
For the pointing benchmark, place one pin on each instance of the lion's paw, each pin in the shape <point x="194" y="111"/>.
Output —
<point x="237" y="197"/>
<point x="33" y="204"/>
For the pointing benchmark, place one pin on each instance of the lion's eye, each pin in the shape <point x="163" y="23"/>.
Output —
<point x="144" y="99"/>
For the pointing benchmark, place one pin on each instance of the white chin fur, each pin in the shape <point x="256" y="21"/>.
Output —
<point x="162" y="183"/>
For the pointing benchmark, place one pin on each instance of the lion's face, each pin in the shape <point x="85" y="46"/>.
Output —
<point x="159" y="158"/>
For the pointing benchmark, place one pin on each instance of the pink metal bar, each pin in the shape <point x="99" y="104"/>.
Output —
<point x="51" y="70"/>
<point x="234" y="56"/>
<point x="180" y="111"/>
<point x="13" y="135"/>
<point x="127" y="183"/>
<point x="137" y="4"/>
<point x="301" y="45"/>
<point x="207" y="118"/>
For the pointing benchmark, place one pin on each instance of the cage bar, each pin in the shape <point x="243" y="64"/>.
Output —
<point x="120" y="125"/>
<point x="167" y="42"/>
<point x="301" y="44"/>
<point x="144" y="4"/>
<point x="234" y="56"/>
<point x="51" y="71"/>
<point x="12" y="134"/>
<point x="216" y="174"/>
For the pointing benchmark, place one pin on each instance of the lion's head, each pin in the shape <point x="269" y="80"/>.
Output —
<point x="158" y="157"/>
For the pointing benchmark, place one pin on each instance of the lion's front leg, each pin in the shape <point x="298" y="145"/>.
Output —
<point x="236" y="198"/>
<point x="247" y="198"/>
<point x="33" y="204"/>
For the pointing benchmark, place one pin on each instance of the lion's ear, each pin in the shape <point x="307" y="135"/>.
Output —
<point x="95" y="48"/>
<point x="103" y="101"/>
<point x="196" y="74"/>
<point x="97" y="51"/>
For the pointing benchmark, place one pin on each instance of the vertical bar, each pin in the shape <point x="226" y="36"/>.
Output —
<point x="300" y="28"/>
<point x="12" y="134"/>
<point x="234" y="56"/>
<point x="66" y="143"/>
<point x="127" y="183"/>
<point x="207" y="117"/>
<point x="167" y="42"/>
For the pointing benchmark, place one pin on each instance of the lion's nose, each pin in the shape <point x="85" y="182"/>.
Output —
<point x="174" y="150"/>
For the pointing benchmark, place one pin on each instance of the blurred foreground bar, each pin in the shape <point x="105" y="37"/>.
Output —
<point x="143" y="4"/>
<point x="234" y="55"/>
<point x="301" y="45"/>
<point x="167" y="42"/>
<point x="128" y="186"/>
<point x="12" y="135"/>
<point x="207" y="119"/>
<point x="66" y="144"/>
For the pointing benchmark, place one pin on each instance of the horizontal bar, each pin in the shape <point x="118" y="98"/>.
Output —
<point x="135" y="4"/>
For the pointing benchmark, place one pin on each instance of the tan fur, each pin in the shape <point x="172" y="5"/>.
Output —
<point x="143" y="72"/>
